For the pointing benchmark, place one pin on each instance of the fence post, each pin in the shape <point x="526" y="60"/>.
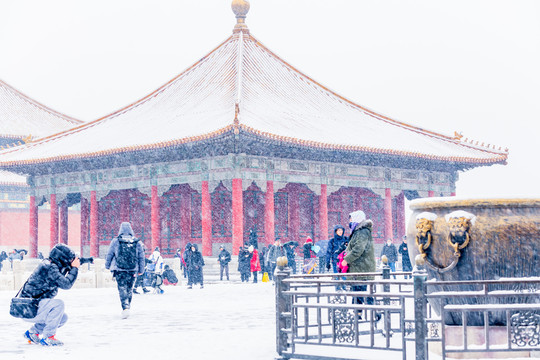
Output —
<point x="386" y="276"/>
<point x="420" y="308"/>
<point x="282" y="307"/>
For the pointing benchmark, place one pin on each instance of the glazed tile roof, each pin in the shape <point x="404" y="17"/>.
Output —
<point x="243" y="86"/>
<point x="21" y="116"/>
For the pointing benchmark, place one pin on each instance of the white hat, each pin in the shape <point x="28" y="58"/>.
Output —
<point x="357" y="216"/>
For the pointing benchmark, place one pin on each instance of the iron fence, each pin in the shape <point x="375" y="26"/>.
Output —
<point x="346" y="316"/>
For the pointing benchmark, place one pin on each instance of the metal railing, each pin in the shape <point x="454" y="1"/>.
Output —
<point x="339" y="316"/>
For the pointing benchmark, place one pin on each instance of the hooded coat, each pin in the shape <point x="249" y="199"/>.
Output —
<point x="51" y="274"/>
<point x="244" y="260"/>
<point x="195" y="264"/>
<point x="334" y="244"/>
<point x="125" y="233"/>
<point x="360" y="251"/>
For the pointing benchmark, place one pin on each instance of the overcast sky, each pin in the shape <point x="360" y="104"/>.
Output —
<point x="467" y="66"/>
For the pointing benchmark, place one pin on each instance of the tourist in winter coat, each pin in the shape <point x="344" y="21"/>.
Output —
<point x="290" y="249"/>
<point x="178" y="254"/>
<point x="391" y="254"/>
<point x="405" y="260"/>
<point x="244" y="263"/>
<point x="187" y="252"/>
<point x="140" y="282"/>
<point x="360" y="253"/>
<point x="58" y="271"/>
<point x="169" y="276"/>
<point x="309" y="256"/>
<point x="264" y="259"/>
<point x="3" y="256"/>
<point x="125" y="260"/>
<point x="274" y="252"/>
<point x="224" y="259"/>
<point x="255" y="265"/>
<point x="333" y="245"/>
<point x="195" y="265"/>
<point x="155" y="267"/>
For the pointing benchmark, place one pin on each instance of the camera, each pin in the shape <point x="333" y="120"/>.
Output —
<point x="86" y="260"/>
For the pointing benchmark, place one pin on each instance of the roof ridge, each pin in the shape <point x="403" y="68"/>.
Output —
<point x="350" y="102"/>
<point x="37" y="104"/>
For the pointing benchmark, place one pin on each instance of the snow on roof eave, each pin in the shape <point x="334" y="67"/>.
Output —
<point x="40" y="105"/>
<point x="130" y="149"/>
<point x="134" y="104"/>
<point x="370" y="112"/>
<point x="500" y="159"/>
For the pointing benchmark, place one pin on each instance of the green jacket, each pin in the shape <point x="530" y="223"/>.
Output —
<point x="360" y="252"/>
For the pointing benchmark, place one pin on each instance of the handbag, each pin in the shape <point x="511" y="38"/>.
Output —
<point x="24" y="308"/>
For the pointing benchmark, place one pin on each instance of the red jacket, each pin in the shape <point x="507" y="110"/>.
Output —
<point x="255" y="264"/>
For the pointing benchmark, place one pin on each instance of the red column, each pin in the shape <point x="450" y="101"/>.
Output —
<point x="323" y="213"/>
<point x="237" y="215"/>
<point x="63" y="223"/>
<point x="54" y="221"/>
<point x="94" y="246"/>
<point x="269" y="222"/>
<point x="388" y="233"/>
<point x="33" y="246"/>
<point x="155" y="218"/>
<point x="431" y="193"/>
<point x="84" y="224"/>
<point x="206" y="218"/>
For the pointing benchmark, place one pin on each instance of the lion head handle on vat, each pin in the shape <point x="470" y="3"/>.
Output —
<point x="424" y="226"/>
<point x="460" y="223"/>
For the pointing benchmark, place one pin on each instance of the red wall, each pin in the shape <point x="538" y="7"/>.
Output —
<point x="14" y="230"/>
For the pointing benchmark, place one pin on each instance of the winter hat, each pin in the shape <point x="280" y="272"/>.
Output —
<point x="309" y="240"/>
<point x="157" y="248"/>
<point x="356" y="217"/>
<point x="62" y="255"/>
<point x="126" y="229"/>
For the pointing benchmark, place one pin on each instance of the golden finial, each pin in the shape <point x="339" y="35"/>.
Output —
<point x="240" y="8"/>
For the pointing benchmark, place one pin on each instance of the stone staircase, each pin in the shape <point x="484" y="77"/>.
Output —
<point x="211" y="271"/>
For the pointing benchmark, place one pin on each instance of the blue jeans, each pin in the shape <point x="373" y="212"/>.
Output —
<point x="392" y="267"/>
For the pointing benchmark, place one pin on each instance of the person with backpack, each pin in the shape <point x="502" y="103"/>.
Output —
<point x="125" y="260"/>
<point x="60" y="270"/>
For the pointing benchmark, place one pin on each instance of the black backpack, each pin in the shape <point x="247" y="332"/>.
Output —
<point x="126" y="254"/>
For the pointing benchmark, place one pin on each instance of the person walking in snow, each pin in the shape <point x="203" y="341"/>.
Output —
<point x="60" y="270"/>
<point x="290" y="251"/>
<point x="275" y="251"/>
<point x="125" y="259"/>
<point x="391" y="254"/>
<point x="187" y="252"/>
<point x="224" y="258"/>
<point x="139" y="282"/>
<point x="405" y="259"/>
<point x="195" y="265"/>
<point x="254" y="262"/>
<point x="244" y="263"/>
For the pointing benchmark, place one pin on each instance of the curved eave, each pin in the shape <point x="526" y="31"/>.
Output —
<point x="129" y="149"/>
<point x="500" y="159"/>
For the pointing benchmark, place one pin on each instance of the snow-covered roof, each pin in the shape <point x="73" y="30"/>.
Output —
<point x="11" y="179"/>
<point x="241" y="86"/>
<point x="21" y="117"/>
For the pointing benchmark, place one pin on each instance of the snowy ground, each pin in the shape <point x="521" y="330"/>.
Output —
<point x="232" y="321"/>
<point x="229" y="321"/>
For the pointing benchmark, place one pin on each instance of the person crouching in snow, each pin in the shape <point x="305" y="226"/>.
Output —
<point x="125" y="260"/>
<point x="195" y="264"/>
<point x="255" y="265"/>
<point x="169" y="276"/>
<point x="58" y="271"/>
